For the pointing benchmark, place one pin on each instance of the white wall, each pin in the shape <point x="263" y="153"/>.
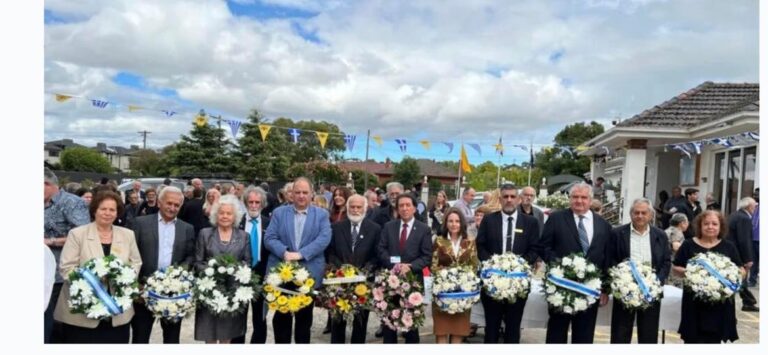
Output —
<point x="668" y="174"/>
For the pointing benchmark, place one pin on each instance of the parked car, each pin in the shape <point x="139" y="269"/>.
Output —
<point x="478" y="200"/>
<point x="150" y="182"/>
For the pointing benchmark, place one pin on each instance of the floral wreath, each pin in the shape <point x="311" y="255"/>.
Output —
<point x="345" y="292"/>
<point x="168" y="293"/>
<point x="288" y="287"/>
<point x="102" y="288"/>
<point x="398" y="299"/>
<point x="635" y="285"/>
<point x="226" y="286"/>
<point x="712" y="277"/>
<point x="572" y="284"/>
<point x="506" y="277"/>
<point x="456" y="289"/>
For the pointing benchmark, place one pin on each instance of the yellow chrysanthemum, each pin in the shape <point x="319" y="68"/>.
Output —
<point x="361" y="290"/>
<point x="286" y="273"/>
<point x="349" y="272"/>
<point x="282" y="300"/>
<point x="343" y="305"/>
<point x="329" y="275"/>
<point x="309" y="283"/>
<point x="282" y="309"/>
<point x="268" y="288"/>
<point x="307" y="300"/>
<point x="294" y="304"/>
<point x="272" y="306"/>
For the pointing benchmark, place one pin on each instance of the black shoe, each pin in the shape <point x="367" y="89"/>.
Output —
<point x="379" y="333"/>
<point x="750" y="308"/>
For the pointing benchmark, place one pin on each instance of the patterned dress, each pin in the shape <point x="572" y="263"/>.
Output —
<point x="443" y="256"/>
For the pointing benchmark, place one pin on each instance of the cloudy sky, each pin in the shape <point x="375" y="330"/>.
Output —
<point x="438" y="70"/>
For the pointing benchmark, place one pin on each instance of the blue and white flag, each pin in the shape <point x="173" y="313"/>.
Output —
<point x="168" y="113"/>
<point x="234" y="126"/>
<point x="99" y="103"/>
<point x="754" y="136"/>
<point x="450" y="146"/>
<point x="294" y="132"/>
<point x="696" y="147"/>
<point x="725" y="142"/>
<point x="523" y="147"/>
<point x="682" y="149"/>
<point x="476" y="147"/>
<point x="349" y="140"/>
<point x="402" y="144"/>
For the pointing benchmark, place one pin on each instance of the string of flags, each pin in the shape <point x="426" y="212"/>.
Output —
<point x="694" y="147"/>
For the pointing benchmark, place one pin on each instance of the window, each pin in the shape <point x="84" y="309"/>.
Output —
<point x="687" y="171"/>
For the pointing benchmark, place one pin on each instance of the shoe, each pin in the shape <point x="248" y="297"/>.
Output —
<point x="749" y="308"/>
<point x="380" y="332"/>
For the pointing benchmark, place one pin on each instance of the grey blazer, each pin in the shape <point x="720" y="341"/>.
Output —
<point x="145" y="228"/>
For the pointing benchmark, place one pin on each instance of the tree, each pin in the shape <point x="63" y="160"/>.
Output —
<point x="563" y="158"/>
<point x="84" y="159"/>
<point x="407" y="172"/>
<point x="319" y="172"/>
<point x="147" y="162"/>
<point x="204" y="152"/>
<point x="358" y="176"/>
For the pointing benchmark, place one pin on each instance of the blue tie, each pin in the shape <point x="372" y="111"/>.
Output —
<point x="583" y="236"/>
<point x="255" y="255"/>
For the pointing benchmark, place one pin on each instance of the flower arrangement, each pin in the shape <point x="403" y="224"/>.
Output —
<point x="555" y="201"/>
<point x="226" y="286"/>
<point x="572" y="284"/>
<point x="712" y="277"/>
<point x="456" y="289"/>
<point x="345" y="292"/>
<point x="89" y="286"/>
<point x="635" y="285"/>
<point x="506" y="277"/>
<point x="398" y="299"/>
<point x="288" y="287"/>
<point x="168" y="293"/>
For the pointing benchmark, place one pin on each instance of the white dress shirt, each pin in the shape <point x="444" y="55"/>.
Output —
<point x="589" y="224"/>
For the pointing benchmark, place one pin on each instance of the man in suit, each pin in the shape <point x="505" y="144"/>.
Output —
<point x="569" y="231"/>
<point x="163" y="240"/>
<point x="406" y="242"/>
<point x="740" y="233"/>
<point x="388" y="211"/>
<point x="507" y="230"/>
<point x="691" y="207"/>
<point x="643" y="243"/>
<point x="298" y="232"/>
<point x="255" y="223"/>
<point x="354" y="241"/>
<point x="137" y="189"/>
<point x="192" y="211"/>
<point x="527" y="195"/>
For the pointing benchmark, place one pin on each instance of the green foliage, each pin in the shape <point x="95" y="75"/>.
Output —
<point x="319" y="172"/>
<point x="84" y="159"/>
<point x="358" y="176"/>
<point x="484" y="176"/>
<point x="205" y="151"/>
<point x="407" y="172"/>
<point x="147" y="162"/>
<point x="434" y="186"/>
<point x="563" y="157"/>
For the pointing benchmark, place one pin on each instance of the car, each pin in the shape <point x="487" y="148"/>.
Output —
<point x="478" y="200"/>
<point x="150" y="182"/>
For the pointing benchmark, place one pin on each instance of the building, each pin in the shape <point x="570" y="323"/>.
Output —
<point x="119" y="157"/>
<point x="385" y="171"/>
<point x="707" y="138"/>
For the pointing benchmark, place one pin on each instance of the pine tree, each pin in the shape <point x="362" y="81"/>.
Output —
<point x="205" y="152"/>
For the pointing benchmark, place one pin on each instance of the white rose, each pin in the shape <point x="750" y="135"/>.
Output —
<point x="209" y="272"/>
<point x="566" y="262"/>
<point x="230" y="270"/>
<point x="221" y="270"/>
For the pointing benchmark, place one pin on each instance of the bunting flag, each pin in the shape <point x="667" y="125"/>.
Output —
<point x="294" y="132"/>
<point x="323" y="137"/>
<point x="402" y="144"/>
<point x="531" y="160"/>
<point x="132" y="108"/>
<point x="696" y="147"/>
<point x="264" y="129"/>
<point x="234" y="126"/>
<point x="754" y="136"/>
<point x="499" y="148"/>
<point x="606" y="150"/>
<point x="62" y="98"/>
<point x="201" y="120"/>
<point x="682" y="149"/>
<point x="168" y="113"/>
<point x="99" y="103"/>
<point x="425" y="143"/>
<point x="378" y="140"/>
<point x="523" y="147"/>
<point x="464" y="162"/>
<point x="450" y="146"/>
<point x="349" y="140"/>
<point x="725" y="142"/>
<point x="475" y="147"/>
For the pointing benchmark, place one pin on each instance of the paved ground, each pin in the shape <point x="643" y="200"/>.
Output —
<point x="748" y="328"/>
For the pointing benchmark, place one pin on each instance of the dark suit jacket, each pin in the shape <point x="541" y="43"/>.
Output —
<point x="261" y="267"/>
<point x="366" y="251"/>
<point x="660" y="250"/>
<point x="490" y="236"/>
<point x="561" y="238"/>
<point x="192" y="213"/>
<point x="418" y="246"/>
<point x="147" y="239"/>
<point x="740" y="233"/>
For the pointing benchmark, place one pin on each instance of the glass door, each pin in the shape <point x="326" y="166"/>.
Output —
<point x="733" y="181"/>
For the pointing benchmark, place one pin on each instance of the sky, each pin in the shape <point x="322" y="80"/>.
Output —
<point x="442" y="71"/>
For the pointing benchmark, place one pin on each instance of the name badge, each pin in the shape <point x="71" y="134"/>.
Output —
<point x="518" y="230"/>
<point x="394" y="259"/>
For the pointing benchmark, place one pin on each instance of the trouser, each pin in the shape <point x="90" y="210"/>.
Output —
<point x="359" y="328"/>
<point x="495" y="312"/>
<point x="623" y="320"/>
<point x="282" y="326"/>
<point x="411" y="336"/>
<point x="582" y="326"/>
<point x="142" y="323"/>
<point x="755" y="270"/>
<point x="747" y="298"/>
<point x="53" y="331"/>
<point x="259" y="323"/>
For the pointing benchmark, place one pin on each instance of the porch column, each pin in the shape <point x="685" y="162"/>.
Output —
<point x="597" y="169"/>
<point x="633" y="175"/>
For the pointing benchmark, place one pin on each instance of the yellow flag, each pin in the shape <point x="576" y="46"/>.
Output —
<point x="465" y="167"/>
<point x="378" y="140"/>
<point x="132" y="108"/>
<point x="62" y="98"/>
<point x="581" y="148"/>
<point x="425" y="143"/>
<point x="323" y="137"/>
<point x="264" y="129"/>
<point x="201" y="120"/>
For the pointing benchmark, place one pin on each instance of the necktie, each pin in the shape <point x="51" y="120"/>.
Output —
<point x="403" y="236"/>
<point x="510" y="228"/>
<point x="583" y="236"/>
<point x="354" y="236"/>
<point x="255" y="254"/>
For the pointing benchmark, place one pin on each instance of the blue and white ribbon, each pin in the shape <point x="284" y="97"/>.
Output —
<point x="100" y="292"/>
<point x="733" y="286"/>
<point x="488" y="272"/>
<point x="458" y="294"/>
<point x="155" y="296"/>
<point x="573" y="286"/>
<point x="640" y="282"/>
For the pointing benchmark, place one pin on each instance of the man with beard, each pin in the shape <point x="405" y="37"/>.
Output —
<point x="504" y="231"/>
<point x="354" y="241"/>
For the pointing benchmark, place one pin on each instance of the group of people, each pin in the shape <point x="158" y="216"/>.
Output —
<point x="349" y="230"/>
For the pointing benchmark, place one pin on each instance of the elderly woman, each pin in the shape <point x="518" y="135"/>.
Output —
<point x="453" y="247"/>
<point x="96" y="240"/>
<point x="702" y="322"/>
<point x="678" y="224"/>
<point x="150" y="205"/>
<point x="223" y="238"/>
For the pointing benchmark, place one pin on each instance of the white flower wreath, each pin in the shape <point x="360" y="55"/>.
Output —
<point x="226" y="286"/>
<point x="102" y="288"/>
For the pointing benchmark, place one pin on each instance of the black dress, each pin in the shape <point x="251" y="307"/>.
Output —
<point x="702" y="322"/>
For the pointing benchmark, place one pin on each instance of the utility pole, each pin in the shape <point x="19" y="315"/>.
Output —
<point x="365" y="162"/>
<point x="144" y="134"/>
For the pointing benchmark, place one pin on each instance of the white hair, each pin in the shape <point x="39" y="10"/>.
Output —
<point x="255" y="190"/>
<point x="166" y="190"/>
<point x="645" y="201"/>
<point x="582" y="186"/>
<point x="746" y="202"/>
<point x="365" y="201"/>
<point x="393" y="185"/>
<point x="226" y="200"/>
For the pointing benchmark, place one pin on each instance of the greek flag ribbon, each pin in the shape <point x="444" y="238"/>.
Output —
<point x="102" y="294"/>
<point x="344" y="280"/>
<point x="458" y="294"/>
<point x="182" y="296"/>
<point x="573" y="286"/>
<point x="488" y="272"/>
<point x="733" y="286"/>
<point x="640" y="282"/>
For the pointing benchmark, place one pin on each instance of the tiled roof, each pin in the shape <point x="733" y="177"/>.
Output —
<point x="427" y="167"/>
<point x="704" y="103"/>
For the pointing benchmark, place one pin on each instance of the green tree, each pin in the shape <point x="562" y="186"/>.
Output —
<point x="407" y="172"/>
<point x="204" y="152"/>
<point x="563" y="158"/>
<point x="358" y="176"/>
<point x="84" y="159"/>
<point x="147" y="162"/>
<point x="319" y="172"/>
